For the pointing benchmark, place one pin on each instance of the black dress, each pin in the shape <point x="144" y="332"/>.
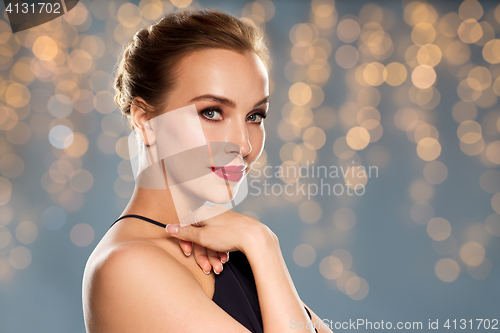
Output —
<point x="235" y="290"/>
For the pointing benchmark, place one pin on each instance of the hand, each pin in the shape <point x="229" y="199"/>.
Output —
<point x="220" y="229"/>
<point x="205" y="258"/>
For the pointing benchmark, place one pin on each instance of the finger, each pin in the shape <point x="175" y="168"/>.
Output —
<point x="200" y="255"/>
<point x="191" y="233"/>
<point x="214" y="259"/>
<point x="186" y="247"/>
<point x="203" y="236"/>
<point x="186" y="233"/>
<point x="224" y="257"/>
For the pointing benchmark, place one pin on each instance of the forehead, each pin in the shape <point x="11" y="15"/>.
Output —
<point x="223" y="72"/>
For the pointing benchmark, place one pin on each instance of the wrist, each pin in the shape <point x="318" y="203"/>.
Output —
<point x="259" y="238"/>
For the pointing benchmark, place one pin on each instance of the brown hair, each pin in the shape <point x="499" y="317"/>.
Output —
<point x="148" y="66"/>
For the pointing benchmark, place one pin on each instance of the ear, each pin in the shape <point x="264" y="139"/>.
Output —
<point x="140" y="120"/>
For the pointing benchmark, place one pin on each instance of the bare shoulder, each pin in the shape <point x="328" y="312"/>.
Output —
<point x="136" y="286"/>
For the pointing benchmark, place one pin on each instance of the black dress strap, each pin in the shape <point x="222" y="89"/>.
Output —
<point x="142" y="218"/>
<point x="314" y="324"/>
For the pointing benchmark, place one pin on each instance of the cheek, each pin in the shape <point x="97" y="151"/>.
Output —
<point x="257" y="139"/>
<point x="211" y="132"/>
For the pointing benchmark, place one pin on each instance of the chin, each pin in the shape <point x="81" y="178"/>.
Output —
<point x="219" y="201"/>
<point x="219" y="194"/>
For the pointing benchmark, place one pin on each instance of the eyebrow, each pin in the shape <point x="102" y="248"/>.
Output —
<point x="226" y="101"/>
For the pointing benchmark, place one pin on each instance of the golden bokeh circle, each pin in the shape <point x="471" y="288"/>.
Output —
<point x="447" y="269"/>
<point x="470" y="9"/>
<point x="129" y="15"/>
<point x="495" y="202"/>
<point x="491" y="51"/>
<point x="45" y="48"/>
<point x="438" y="229"/>
<point x="423" y="76"/>
<point x="314" y="138"/>
<point x="493" y="152"/>
<point x="394" y="74"/>
<point x="331" y="267"/>
<point x="20" y="257"/>
<point x="300" y="93"/>
<point x="472" y="253"/>
<point x="358" y="138"/>
<point x="304" y="255"/>
<point x="80" y="61"/>
<point x="17" y="95"/>
<point x="469" y="131"/>
<point x="344" y="219"/>
<point x="429" y="54"/>
<point x="373" y="74"/>
<point x="310" y="212"/>
<point x="435" y="172"/>
<point x="470" y="31"/>
<point x="428" y="149"/>
<point x="348" y="30"/>
<point x="479" y="78"/>
<point x="356" y="288"/>
<point x="423" y="33"/>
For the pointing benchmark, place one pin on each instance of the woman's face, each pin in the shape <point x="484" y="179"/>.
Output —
<point x="228" y="94"/>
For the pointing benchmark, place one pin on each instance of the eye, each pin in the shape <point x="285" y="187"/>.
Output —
<point x="256" y="117"/>
<point x="212" y="114"/>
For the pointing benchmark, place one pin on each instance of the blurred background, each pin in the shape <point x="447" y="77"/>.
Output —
<point x="409" y="88"/>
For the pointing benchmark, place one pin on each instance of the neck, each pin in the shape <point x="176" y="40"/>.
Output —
<point x="168" y="205"/>
<point x="154" y="198"/>
<point x="155" y="204"/>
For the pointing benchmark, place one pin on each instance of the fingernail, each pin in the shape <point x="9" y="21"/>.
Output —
<point x="186" y="254"/>
<point x="218" y="272"/>
<point x="205" y="271"/>
<point x="174" y="228"/>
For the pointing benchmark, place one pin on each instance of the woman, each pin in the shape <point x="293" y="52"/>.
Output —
<point x="137" y="279"/>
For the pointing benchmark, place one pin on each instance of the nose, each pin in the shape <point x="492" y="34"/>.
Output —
<point x="239" y="137"/>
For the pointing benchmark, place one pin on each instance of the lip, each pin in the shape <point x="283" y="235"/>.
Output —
<point x="232" y="173"/>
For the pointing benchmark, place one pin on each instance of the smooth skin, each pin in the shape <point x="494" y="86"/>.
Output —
<point x="139" y="280"/>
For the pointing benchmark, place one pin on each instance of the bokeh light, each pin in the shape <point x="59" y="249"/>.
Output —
<point x="472" y="253"/>
<point x="447" y="269"/>
<point x="331" y="267"/>
<point x="61" y="136"/>
<point x="304" y="255"/>
<point x="20" y="257"/>
<point x="439" y="229"/>
<point x="82" y="234"/>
